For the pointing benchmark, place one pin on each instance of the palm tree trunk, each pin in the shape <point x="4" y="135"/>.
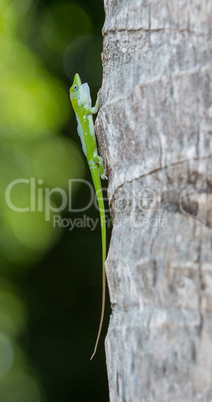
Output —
<point x="155" y="133"/>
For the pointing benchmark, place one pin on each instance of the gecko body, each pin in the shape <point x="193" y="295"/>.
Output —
<point x="81" y="102"/>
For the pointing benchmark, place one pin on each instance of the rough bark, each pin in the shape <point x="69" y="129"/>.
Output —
<point x="155" y="133"/>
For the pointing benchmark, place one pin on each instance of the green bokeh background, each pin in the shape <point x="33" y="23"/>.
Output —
<point x="50" y="277"/>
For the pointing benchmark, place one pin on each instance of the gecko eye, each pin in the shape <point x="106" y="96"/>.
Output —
<point x="75" y="87"/>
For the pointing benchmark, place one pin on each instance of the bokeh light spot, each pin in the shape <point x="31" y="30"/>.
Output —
<point x="70" y="20"/>
<point x="6" y="355"/>
<point x="82" y="55"/>
<point x="57" y="160"/>
<point x="20" y="388"/>
<point x="12" y="313"/>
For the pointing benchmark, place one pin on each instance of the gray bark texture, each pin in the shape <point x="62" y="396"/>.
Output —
<point x="155" y="133"/>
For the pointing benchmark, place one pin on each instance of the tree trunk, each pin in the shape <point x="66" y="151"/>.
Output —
<point x="155" y="133"/>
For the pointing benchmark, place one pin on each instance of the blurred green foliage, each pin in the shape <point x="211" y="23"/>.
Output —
<point x="34" y="107"/>
<point x="42" y="44"/>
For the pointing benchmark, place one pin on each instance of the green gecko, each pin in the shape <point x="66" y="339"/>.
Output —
<point x="81" y="102"/>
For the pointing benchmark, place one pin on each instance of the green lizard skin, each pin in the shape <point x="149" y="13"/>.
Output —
<point x="81" y="102"/>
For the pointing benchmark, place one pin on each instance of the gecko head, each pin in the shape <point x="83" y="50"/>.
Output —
<point x="74" y="90"/>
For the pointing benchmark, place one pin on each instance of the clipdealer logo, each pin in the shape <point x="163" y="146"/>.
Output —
<point x="41" y="199"/>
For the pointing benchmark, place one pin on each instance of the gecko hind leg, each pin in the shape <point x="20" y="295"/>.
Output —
<point x="99" y="161"/>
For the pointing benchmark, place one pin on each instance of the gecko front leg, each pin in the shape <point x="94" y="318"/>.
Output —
<point x="94" y="109"/>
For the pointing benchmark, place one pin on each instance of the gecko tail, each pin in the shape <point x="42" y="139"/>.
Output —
<point x="102" y="315"/>
<point x="94" y="352"/>
<point x="97" y="185"/>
